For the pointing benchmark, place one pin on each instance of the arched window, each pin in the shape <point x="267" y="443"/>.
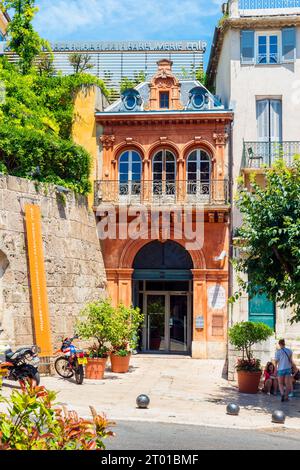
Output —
<point x="164" y="173"/>
<point x="198" y="173"/>
<point x="130" y="173"/>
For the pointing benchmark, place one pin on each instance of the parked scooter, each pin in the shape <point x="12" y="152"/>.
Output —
<point x="21" y="365"/>
<point x="72" y="362"/>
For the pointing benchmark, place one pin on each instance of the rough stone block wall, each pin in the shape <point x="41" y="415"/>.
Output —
<point x="73" y="261"/>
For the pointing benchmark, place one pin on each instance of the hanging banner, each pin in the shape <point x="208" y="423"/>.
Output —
<point x="38" y="279"/>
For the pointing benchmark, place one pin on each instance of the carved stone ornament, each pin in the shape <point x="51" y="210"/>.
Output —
<point x="107" y="141"/>
<point x="221" y="139"/>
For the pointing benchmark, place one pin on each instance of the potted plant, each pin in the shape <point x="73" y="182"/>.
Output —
<point x="126" y="324"/>
<point x="96" y="323"/>
<point x="157" y="324"/>
<point x="243" y="336"/>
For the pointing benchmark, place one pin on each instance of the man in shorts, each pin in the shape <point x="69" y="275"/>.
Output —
<point x="284" y="364"/>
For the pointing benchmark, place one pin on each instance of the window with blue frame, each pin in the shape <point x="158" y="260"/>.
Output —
<point x="130" y="173"/>
<point x="164" y="100"/>
<point x="268" y="47"/>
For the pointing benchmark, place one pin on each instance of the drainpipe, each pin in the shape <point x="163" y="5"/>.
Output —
<point x="230" y="285"/>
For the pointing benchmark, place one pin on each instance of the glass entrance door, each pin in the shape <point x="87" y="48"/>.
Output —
<point x="178" y="322"/>
<point x="167" y="323"/>
<point x="156" y="322"/>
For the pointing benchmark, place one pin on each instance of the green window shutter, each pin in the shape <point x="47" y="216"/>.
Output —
<point x="247" y="47"/>
<point x="261" y="309"/>
<point x="288" y="45"/>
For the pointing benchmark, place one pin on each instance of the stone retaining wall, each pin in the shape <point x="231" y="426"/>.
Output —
<point x="73" y="260"/>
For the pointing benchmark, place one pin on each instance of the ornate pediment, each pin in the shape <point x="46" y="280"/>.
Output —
<point x="164" y="81"/>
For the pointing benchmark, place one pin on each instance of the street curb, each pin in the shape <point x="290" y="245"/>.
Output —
<point x="205" y="425"/>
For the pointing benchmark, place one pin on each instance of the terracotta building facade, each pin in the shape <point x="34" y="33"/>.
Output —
<point x="163" y="188"/>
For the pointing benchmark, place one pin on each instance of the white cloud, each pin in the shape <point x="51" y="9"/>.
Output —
<point x="130" y="18"/>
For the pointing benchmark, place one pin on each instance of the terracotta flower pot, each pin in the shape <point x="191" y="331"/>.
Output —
<point x="248" y="381"/>
<point x="120" y="364"/>
<point x="95" y="368"/>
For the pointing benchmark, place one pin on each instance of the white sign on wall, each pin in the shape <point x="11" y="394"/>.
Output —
<point x="216" y="297"/>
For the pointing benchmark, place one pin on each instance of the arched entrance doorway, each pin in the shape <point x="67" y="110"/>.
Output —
<point x="162" y="282"/>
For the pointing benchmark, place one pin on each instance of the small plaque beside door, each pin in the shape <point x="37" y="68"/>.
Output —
<point x="199" y="323"/>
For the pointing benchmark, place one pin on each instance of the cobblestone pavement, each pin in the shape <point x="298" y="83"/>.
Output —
<point x="182" y="390"/>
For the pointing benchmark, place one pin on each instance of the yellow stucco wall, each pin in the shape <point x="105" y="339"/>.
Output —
<point x="84" y="127"/>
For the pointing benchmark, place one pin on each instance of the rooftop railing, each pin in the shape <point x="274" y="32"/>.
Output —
<point x="212" y="192"/>
<point x="242" y="8"/>
<point x="264" y="154"/>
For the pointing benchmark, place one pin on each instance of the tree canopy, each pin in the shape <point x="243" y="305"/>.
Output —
<point x="270" y="236"/>
<point x="24" y="40"/>
<point x="37" y="110"/>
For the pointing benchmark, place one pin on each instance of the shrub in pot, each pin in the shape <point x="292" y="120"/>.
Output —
<point x="96" y="323"/>
<point x="126" y="325"/>
<point x="243" y="336"/>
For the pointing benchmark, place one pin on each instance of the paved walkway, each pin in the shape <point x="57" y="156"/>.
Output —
<point x="182" y="390"/>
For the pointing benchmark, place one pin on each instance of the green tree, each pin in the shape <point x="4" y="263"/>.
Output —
<point x="97" y="322"/>
<point x="127" y="321"/>
<point x="269" y="236"/>
<point x="24" y="40"/>
<point x="36" y="121"/>
<point x="44" y="64"/>
<point x="126" y="82"/>
<point x="243" y="336"/>
<point x="80" y="62"/>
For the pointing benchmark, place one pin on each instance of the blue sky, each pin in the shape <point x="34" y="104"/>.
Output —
<point x="128" y="19"/>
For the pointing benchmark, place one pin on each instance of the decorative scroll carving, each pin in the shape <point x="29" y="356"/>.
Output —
<point x="164" y="80"/>
<point x="107" y="141"/>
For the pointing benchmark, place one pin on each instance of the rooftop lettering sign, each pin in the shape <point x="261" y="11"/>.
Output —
<point x="130" y="46"/>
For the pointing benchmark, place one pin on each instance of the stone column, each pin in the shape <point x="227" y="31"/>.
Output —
<point x="199" y="337"/>
<point x="146" y="183"/>
<point x="113" y="285"/>
<point x="109" y="187"/>
<point x="218" y="189"/>
<point x="181" y="180"/>
<point x="125" y="286"/>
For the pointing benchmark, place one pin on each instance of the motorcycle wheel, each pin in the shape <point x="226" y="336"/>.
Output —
<point x="79" y="375"/>
<point x="62" y="367"/>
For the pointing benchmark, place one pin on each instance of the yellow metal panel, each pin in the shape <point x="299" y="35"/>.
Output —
<point x="38" y="279"/>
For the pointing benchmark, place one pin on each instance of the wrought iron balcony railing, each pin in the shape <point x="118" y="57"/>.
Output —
<point x="264" y="154"/>
<point x="213" y="192"/>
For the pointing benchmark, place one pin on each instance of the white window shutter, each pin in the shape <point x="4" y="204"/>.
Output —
<point x="262" y="113"/>
<point x="275" y="120"/>
<point x="247" y="47"/>
<point x="288" y="45"/>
